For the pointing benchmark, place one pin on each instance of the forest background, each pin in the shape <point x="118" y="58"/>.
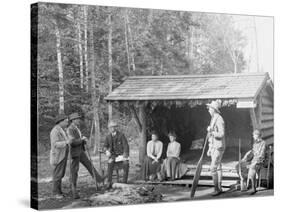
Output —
<point x="84" y="52"/>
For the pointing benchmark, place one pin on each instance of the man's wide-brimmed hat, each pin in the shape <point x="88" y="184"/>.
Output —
<point x="215" y="105"/>
<point x="112" y="124"/>
<point x="60" y="118"/>
<point x="74" y="116"/>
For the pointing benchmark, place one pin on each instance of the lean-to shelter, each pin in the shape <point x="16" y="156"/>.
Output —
<point x="178" y="103"/>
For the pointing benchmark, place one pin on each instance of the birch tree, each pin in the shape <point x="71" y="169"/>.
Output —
<point x="131" y="40"/>
<point x="60" y="68"/>
<point x="86" y="46"/>
<point x="126" y="39"/>
<point x="109" y="43"/>
<point x="80" y="50"/>
<point x="94" y="96"/>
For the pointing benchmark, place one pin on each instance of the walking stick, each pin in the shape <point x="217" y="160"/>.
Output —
<point x="69" y="164"/>
<point x="100" y="164"/>
<point x="198" y="168"/>
<point x="93" y="169"/>
<point x="242" y="183"/>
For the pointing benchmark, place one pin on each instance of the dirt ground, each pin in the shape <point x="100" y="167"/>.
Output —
<point x="91" y="197"/>
<point x="169" y="193"/>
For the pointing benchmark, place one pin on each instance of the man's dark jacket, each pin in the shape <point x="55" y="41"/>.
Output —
<point x="77" y="144"/>
<point x="117" y="145"/>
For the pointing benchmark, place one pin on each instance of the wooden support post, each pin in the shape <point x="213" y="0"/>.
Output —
<point x="135" y="115"/>
<point x="259" y="111"/>
<point x="254" y="118"/>
<point x="142" y="145"/>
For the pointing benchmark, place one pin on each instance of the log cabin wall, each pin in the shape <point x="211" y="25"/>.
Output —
<point x="267" y="114"/>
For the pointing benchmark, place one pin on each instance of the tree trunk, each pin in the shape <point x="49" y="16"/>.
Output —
<point x="256" y="41"/>
<point x="126" y="40"/>
<point x="131" y="41"/>
<point x="161" y="66"/>
<point x="80" y="49"/>
<point x="110" y="64"/>
<point x="86" y="47"/>
<point x="60" y="69"/>
<point x="142" y="145"/>
<point x="95" y="99"/>
<point x="235" y="67"/>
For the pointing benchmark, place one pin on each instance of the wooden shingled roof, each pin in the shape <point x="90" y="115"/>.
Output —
<point x="190" y="87"/>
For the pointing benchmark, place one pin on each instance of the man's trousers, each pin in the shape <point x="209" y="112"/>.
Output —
<point x="58" y="174"/>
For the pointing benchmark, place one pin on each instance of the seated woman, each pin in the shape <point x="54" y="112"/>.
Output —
<point x="151" y="164"/>
<point x="171" y="165"/>
<point x="252" y="161"/>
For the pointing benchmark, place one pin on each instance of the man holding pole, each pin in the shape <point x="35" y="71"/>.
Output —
<point x="216" y="131"/>
<point x="78" y="154"/>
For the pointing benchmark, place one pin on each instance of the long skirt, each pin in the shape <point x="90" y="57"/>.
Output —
<point x="171" y="168"/>
<point x="149" y="167"/>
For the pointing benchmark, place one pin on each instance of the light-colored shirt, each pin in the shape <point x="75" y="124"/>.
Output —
<point x="174" y="149"/>
<point x="258" y="151"/>
<point x="154" y="149"/>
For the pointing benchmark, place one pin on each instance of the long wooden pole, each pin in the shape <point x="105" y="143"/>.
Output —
<point x="198" y="168"/>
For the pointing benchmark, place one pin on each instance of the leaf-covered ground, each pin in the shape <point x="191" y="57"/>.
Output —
<point x="118" y="196"/>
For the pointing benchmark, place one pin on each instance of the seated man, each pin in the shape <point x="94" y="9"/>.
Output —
<point x="171" y="165"/>
<point x="253" y="160"/>
<point x="117" y="150"/>
<point x="151" y="163"/>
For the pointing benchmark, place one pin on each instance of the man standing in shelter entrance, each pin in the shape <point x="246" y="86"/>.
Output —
<point x="216" y="131"/>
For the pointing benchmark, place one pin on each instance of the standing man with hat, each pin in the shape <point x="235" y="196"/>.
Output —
<point x="77" y="152"/>
<point x="117" y="149"/>
<point x="59" y="153"/>
<point x="216" y="131"/>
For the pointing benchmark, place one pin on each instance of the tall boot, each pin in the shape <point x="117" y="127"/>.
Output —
<point x="216" y="185"/>
<point x="220" y="179"/>
<point x="253" y="184"/>
<point x="56" y="187"/>
<point x="56" y="190"/>
<point x="59" y="187"/>
<point x="126" y="172"/>
<point x="75" y="194"/>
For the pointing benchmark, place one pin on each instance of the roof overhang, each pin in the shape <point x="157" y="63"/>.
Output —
<point x="233" y="89"/>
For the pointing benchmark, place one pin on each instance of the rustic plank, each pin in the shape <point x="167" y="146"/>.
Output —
<point x="267" y="117"/>
<point x="267" y="110"/>
<point x="267" y="132"/>
<point x="259" y="110"/>
<point x="255" y="123"/>
<point x="187" y="182"/>
<point x="267" y="101"/>
<point x="265" y="94"/>
<point x="269" y="140"/>
<point x="266" y="125"/>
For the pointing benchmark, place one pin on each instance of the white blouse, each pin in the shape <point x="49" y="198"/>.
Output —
<point x="154" y="149"/>
<point x="174" y="149"/>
